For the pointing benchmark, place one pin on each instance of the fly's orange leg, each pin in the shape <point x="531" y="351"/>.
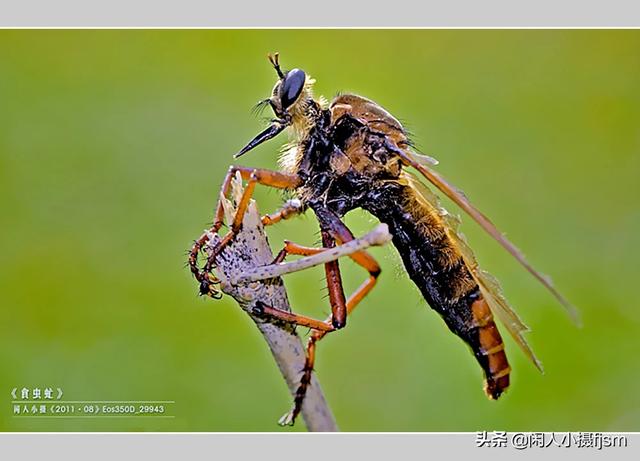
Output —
<point x="235" y="225"/>
<point x="265" y="177"/>
<point x="254" y="176"/>
<point x="326" y="326"/>
<point x="291" y="248"/>
<point x="334" y="284"/>
<point x="361" y="258"/>
<point x="290" y="317"/>
<point x="290" y="209"/>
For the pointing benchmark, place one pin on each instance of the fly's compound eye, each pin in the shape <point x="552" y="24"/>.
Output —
<point x="291" y="87"/>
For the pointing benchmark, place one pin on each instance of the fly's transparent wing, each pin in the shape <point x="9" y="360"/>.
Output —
<point x="460" y="199"/>
<point x="489" y="286"/>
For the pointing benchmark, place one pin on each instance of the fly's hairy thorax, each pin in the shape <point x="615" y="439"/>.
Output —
<point x="290" y="157"/>
<point x="346" y="164"/>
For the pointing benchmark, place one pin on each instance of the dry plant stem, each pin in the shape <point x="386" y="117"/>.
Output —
<point x="250" y="251"/>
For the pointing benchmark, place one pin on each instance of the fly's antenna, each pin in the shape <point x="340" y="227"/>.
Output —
<point x="274" y="59"/>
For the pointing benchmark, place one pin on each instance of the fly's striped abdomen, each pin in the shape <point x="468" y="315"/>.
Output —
<point x="436" y="266"/>
<point x="491" y="350"/>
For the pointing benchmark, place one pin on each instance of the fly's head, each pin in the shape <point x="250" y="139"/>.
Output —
<point x="292" y="104"/>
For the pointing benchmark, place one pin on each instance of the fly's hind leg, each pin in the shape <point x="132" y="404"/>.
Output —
<point x="254" y="176"/>
<point x="361" y="258"/>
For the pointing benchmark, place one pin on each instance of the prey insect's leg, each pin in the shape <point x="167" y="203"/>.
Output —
<point x="261" y="176"/>
<point x="205" y="279"/>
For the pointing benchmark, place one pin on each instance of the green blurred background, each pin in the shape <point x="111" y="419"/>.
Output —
<point x="113" y="144"/>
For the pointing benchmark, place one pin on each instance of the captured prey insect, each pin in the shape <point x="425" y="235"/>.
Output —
<point x="351" y="153"/>
<point x="246" y="273"/>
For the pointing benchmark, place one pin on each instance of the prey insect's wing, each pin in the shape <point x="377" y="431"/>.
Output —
<point x="489" y="286"/>
<point x="460" y="199"/>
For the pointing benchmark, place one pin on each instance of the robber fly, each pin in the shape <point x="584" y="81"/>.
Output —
<point x="351" y="153"/>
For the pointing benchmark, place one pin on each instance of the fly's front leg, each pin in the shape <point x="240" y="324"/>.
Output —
<point x="254" y="176"/>
<point x="265" y="177"/>
<point x="236" y="225"/>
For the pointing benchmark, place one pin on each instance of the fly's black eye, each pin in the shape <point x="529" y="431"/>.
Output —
<point x="291" y="87"/>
